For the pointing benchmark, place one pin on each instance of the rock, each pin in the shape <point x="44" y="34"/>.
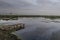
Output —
<point x="6" y="30"/>
<point x="8" y="37"/>
<point x="14" y="27"/>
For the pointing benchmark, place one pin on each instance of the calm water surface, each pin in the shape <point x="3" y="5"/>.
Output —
<point x="36" y="28"/>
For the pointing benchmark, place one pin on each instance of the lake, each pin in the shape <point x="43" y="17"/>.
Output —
<point x="37" y="28"/>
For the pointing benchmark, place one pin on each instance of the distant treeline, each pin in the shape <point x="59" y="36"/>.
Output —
<point x="15" y="16"/>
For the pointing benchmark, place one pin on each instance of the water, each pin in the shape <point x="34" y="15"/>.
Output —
<point x="37" y="28"/>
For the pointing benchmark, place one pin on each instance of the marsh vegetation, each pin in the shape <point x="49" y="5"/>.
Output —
<point x="15" y="17"/>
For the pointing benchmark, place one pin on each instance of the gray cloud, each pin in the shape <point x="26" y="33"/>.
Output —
<point x="30" y="6"/>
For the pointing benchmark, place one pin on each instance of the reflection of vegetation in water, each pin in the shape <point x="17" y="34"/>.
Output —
<point x="55" y="36"/>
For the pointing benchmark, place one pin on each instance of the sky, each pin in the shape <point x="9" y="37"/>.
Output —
<point x="30" y="7"/>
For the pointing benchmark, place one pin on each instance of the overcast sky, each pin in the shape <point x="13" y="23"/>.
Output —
<point x="31" y="7"/>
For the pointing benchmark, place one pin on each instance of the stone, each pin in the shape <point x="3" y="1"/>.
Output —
<point x="6" y="30"/>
